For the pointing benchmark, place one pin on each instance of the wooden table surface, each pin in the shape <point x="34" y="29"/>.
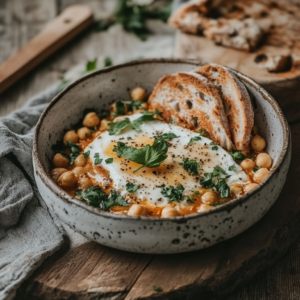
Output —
<point x="20" y="20"/>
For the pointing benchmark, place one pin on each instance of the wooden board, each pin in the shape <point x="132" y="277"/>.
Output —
<point x="281" y="40"/>
<point x="92" y="271"/>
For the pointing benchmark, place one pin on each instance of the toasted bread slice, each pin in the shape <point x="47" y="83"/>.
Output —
<point x="191" y="101"/>
<point x="236" y="101"/>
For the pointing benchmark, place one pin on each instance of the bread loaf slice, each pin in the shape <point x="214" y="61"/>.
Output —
<point x="236" y="101"/>
<point x="191" y="101"/>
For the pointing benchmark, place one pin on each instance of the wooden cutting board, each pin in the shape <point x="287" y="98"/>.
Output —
<point x="284" y="40"/>
<point x="91" y="271"/>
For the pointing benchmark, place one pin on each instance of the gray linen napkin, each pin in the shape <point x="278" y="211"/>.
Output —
<point x="28" y="232"/>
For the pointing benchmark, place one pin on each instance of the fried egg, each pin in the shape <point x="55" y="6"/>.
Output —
<point x="170" y="172"/>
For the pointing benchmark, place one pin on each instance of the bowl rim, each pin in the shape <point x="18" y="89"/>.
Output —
<point x="45" y="177"/>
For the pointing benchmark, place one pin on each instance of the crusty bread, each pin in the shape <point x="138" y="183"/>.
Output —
<point x="236" y="101"/>
<point x="191" y="101"/>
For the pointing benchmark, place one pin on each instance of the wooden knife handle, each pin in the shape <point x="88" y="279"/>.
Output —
<point x="61" y="30"/>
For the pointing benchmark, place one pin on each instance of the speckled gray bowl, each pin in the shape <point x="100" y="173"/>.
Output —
<point x="144" y="234"/>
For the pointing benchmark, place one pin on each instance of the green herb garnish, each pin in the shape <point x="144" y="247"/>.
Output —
<point x="129" y="138"/>
<point x="108" y="62"/>
<point x="118" y="127"/>
<point x="166" y="136"/>
<point x="131" y="187"/>
<point x="75" y="151"/>
<point x="86" y="154"/>
<point x="214" y="146"/>
<point x="98" y="160"/>
<point x="232" y="168"/>
<point x="157" y="288"/>
<point x="194" y="139"/>
<point x="218" y="203"/>
<point x="109" y="160"/>
<point x="223" y="188"/>
<point x="134" y="105"/>
<point x="191" y="166"/>
<point x="237" y="155"/>
<point x="148" y="156"/>
<point x="91" y="65"/>
<point x="196" y="192"/>
<point x="173" y="193"/>
<point x="255" y="169"/>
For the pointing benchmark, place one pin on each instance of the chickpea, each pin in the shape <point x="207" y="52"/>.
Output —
<point x="204" y="207"/>
<point x="169" y="212"/>
<point x="60" y="161"/>
<point x="84" y="133"/>
<point x="78" y="171"/>
<point x="71" y="136"/>
<point x="91" y="120"/>
<point x="67" y="180"/>
<point x="258" y="143"/>
<point x="249" y="187"/>
<point x="104" y="125"/>
<point x="138" y="210"/>
<point x="248" y="164"/>
<point x="138" y="93"/>
<point x="255" y="129"/>
<point x="84" y="183"/>
<point x="264" y="160"/>
<point x="210" y="197"/>
<point x="144" y="106"/>
<point x="236" y="189"/>
<point x="80" y="161"/>
<point x="260" y="175"/>
<point x="55" y="173"/>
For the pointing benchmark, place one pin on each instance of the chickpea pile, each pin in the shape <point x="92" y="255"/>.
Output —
<point x="74" y="176"/>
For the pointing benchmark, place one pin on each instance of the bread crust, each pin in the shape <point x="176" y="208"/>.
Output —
<point x="236" y="100"/>
<point x="191" y="101"/>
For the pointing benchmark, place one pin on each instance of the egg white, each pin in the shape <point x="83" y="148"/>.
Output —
<point x="171" y="172"/>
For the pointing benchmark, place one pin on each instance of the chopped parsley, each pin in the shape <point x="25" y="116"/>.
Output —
<point x="134" y="104"/>
<point x="75" y="151"/>
<point x="255" y="169"/>
<point x="232" y="168"/>
<point x="157" y="288"/>
<point x="86" y="154"/>
<point x="129" y="138"/>
<point x="237" y="155"/>
<point x="173" y="193"/>
<point x="97" y="160"/>
<point x="166" y="136"/>
<point x="91" y="65"/>
<point x="218" y="203"/>
<point x="131" y="187"/>
<point x="214" y="146"/>
<point x="118" y="127"/>
<point x="194" y="139"/>
<point x="148" y="156"/>
<point x="109" y="160"/>
<point x="196" y="192"/>
<point x="215" y="180"/>
<point x="96" y="197"/>
<point x="108" y="62"/>
<point x="120" y="108"/>
<point x="191" y="166"/>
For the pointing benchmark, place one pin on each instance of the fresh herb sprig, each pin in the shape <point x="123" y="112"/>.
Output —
<point x="194" y="139"/>
<point x="255" y="169"/>
<point x="131" y="187"/>
<point x="217" y="179"/>
<point x="191" y="166"/>
<point x="148" y="156"/>
<point x="166" y="136"/>
<point x="173" y="193"/>
<point x="75" y="151"/>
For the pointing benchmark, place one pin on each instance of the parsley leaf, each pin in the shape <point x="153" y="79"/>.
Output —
<point x="232" y="168"/>
<point x="131" y="187"/>
<point x="96" y="197"/>
<point x="91" y="65"/>
<point x="214" y="146"/>
<point x="218" y="171"/>
<point x="237" y="155"/>
<point x="134" y="105"/>
<point x="255" y="169"/>
<point x="218" y="203"/>
<point x="98" y="160"/>
<point x="223" y="188"/>
<point x="194" y="139"/>
<point x="86" y="154"/>
<point x="118" y="127"/>
<point x="191" y="166"/>
<point x="109" y="160"/>
<point x="108" y="62"/>
<point x="173" y="193"/>
<point x="120" y="108"/>
<point x="206" y="181"/>
<point x="148" y="156"/>
<point x="166" y="136"/>
<point x="196" y="192"/>
<point x="129" y="138"/>
<point x="157" y="288"/>
<point x="75" y="151"/>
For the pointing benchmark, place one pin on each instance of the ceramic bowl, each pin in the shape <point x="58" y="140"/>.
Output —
<point x="147" y="234"/>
